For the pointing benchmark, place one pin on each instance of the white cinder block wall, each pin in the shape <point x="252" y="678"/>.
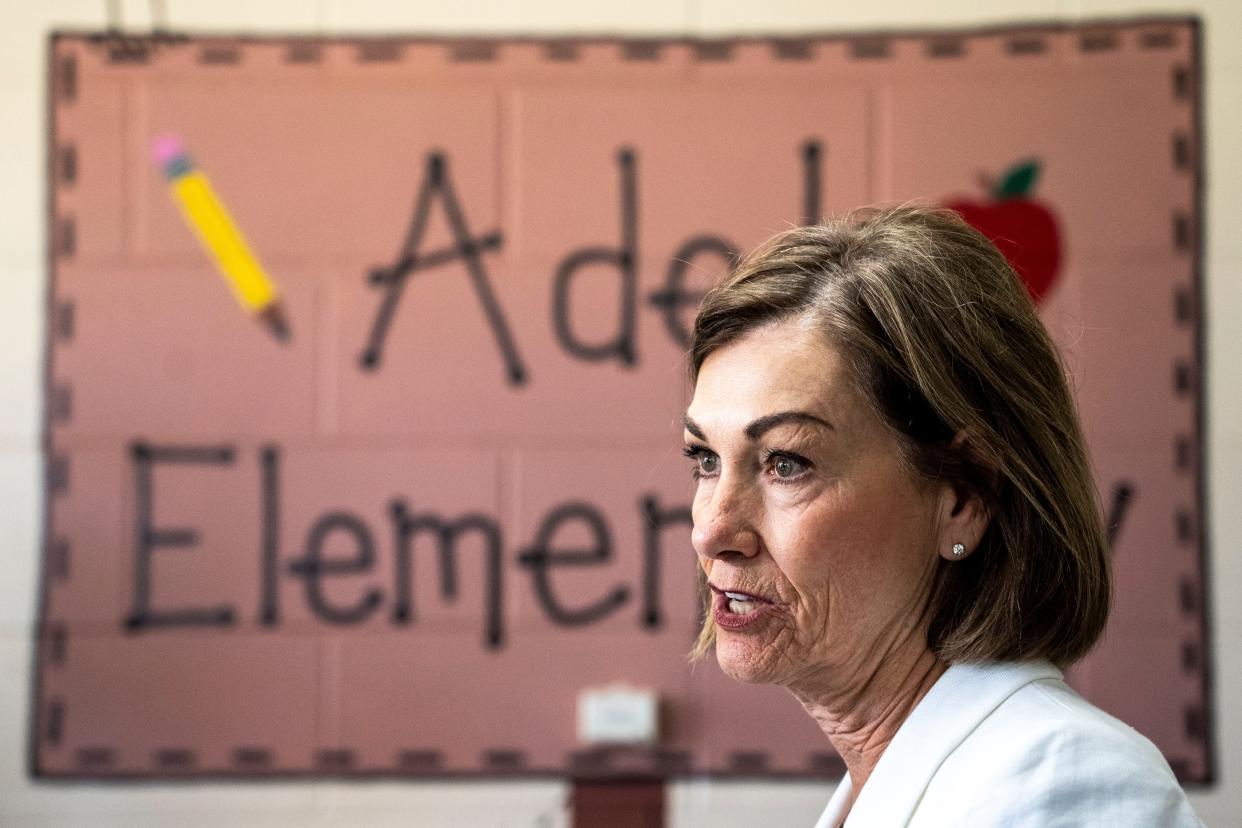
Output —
<point x="23" y="37"/>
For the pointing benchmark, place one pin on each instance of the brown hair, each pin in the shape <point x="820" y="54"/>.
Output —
<point x="944" y="342"/>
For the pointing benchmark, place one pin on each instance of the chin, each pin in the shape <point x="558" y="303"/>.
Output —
<point x="742" y="661"/>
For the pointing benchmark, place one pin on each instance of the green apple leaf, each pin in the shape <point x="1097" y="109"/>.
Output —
<point x="1018" y="181"/>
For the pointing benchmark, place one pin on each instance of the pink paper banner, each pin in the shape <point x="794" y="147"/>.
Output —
<point x="403" y="542"/>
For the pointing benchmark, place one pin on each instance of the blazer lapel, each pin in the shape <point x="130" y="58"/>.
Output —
<point x="836" y="810"/>
<point x="962" y="698"/>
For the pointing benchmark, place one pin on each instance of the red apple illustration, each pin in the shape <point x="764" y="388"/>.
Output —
<point x="1024" y="230"/>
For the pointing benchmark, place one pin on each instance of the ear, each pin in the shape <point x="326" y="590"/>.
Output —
<point x="963" y="518"/>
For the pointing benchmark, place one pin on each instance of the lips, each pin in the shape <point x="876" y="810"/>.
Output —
<point x="736" y="609"/>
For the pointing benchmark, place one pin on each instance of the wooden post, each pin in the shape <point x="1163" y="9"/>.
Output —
<point x="629" y="804"/>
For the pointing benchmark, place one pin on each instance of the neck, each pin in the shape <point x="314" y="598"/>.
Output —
<point x="862" y="714"/>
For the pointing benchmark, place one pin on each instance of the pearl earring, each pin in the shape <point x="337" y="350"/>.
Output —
<point x="959" y="549"/>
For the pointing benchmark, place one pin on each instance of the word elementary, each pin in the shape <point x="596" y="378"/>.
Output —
<point x="320" y="560"/>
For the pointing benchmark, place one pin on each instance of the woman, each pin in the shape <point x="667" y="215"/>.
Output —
<point x="897" y="522"/>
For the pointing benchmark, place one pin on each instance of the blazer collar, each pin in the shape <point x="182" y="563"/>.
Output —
<point x="962" y="698"/>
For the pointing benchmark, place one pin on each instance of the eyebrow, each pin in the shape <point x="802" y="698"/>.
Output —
<point x="757" y="428"/>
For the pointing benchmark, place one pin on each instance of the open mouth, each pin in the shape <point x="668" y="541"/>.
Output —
<point x="740" y="603"/>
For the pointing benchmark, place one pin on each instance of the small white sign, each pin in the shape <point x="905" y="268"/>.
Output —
<point x="618" y="714"/>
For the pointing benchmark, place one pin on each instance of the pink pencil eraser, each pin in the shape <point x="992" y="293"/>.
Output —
<point x="165" y="148"/>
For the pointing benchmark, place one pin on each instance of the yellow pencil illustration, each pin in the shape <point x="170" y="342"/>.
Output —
<point x="207" y="217"/>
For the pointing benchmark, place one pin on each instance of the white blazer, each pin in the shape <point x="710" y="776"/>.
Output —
<point x="1011" y="744"/>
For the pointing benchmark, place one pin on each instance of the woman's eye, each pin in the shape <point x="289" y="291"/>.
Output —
<point x="787" y="468"/>
<point x="708" y="463"/>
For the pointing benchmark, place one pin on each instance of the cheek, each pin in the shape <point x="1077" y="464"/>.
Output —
<point x="858" y="548"/>
<point x="822" y="555"/>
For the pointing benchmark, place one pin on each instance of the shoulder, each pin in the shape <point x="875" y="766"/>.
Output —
<point x="1047" y="757"/>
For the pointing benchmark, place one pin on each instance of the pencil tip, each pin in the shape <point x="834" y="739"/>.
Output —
<point x="273" y="316"/>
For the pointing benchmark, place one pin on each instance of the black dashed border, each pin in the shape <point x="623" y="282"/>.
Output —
<point x="946" y="47"/>
<point x="255" y="761"/>
<point x="379" y="51"/>
<point x="68" y="165"/>
<point x="1026" y="46"/>
<point x="304" y="53"/>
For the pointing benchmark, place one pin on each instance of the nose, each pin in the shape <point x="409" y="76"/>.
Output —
<point x="724" y="524"/>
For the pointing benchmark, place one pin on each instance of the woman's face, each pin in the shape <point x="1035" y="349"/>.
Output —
<point x="804" y="513"/>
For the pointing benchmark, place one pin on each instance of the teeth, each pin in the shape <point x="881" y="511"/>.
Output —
<point x="739" y="607"/>
<point x="737" y="596"/>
